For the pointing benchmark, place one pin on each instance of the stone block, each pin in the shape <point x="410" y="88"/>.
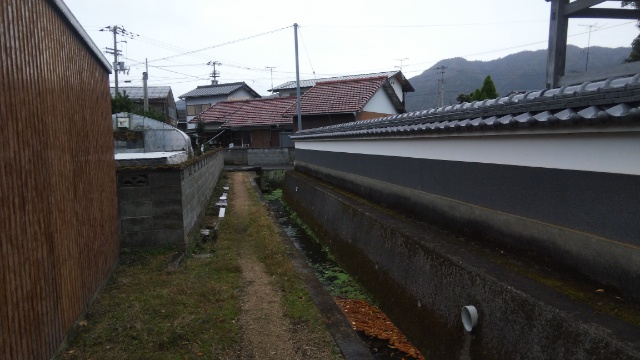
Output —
<point x="135" y="209"/>
<point x="164" y="207"/>
<point x="141" y="238"/>
<point x="168" y="221"/>
<point x="166" y="193"/>
<point x="164" y="178"/>
<point x="128" y="194"/>
<point x="188" y="197"/>
<point x="136" y="224"/>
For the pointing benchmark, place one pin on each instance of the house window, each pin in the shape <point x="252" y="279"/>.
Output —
<point x="197" y="109"/>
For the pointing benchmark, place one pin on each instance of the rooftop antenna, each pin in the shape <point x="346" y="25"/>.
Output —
<point x="271" y="70"/>
<point x="591" y="28"/>
<point x="401" y="60"/>
<point x="215" y="74"/>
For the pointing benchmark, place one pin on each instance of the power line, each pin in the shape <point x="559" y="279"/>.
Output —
<point x="308" y="58"/>
<point x="222" y="44"/>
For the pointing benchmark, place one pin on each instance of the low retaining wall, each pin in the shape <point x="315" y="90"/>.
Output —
<point x="259" y="156"/>
<point x="159" y="205"/>
<point x="423" y="277"/>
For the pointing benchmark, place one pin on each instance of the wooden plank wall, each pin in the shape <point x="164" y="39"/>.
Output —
<point x="58" y="208"/>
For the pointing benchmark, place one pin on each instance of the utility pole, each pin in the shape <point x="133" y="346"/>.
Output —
<point x="117" y="66"/>
<point x="401" y="60"/>
<point x="215" y="73"/>
<point x="145" y="77"/>
<point x="441" y="82"/>
<point x="295" y="34"/>
<point x="591" y="27"/>
<point x="271" y="70"/>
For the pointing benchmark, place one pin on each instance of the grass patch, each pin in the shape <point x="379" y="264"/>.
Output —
<point x="272" y="252"/>
<point x="150" y="312"/>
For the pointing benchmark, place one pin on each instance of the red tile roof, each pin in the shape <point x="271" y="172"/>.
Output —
<point x="254" y="112"/>
<point x="336" y="97"/>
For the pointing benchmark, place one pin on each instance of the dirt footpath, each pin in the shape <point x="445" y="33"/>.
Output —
<point x="268" y="333"/>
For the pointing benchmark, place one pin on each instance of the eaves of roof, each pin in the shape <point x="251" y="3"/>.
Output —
<point x="611" y="101"/>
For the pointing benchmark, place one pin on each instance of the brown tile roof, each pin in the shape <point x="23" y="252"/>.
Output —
<point x="254" y="112"/>
<point x="338" y="97"/>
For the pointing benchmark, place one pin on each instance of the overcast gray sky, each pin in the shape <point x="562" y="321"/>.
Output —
<point x="336" y="37"/>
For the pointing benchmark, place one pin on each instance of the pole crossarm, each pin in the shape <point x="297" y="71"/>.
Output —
<point x="579" y="5"/>
<point x="621" y="14"/>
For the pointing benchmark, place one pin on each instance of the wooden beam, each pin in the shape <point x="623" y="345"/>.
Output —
<point x="580" y="5"/>
<point x="624" y="14"/>
<point x="557" y="53"/>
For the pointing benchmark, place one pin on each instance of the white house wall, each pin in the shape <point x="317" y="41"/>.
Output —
<point x="397" y="87"/>
<point x="380" y="103"/>
<point x="612" y="152"/>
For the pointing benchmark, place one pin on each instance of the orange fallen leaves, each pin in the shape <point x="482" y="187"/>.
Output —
<point x="373" y="322"/>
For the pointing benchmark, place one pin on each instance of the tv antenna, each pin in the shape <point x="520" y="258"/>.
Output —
<point x="592" y="27"/>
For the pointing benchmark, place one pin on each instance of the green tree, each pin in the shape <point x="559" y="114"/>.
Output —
<point x="463" y="98"/>
<point x="121" y="103"/>
<point x="635" y="45"/>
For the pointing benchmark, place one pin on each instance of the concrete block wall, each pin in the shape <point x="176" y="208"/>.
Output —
<point x="160" y="205"/>
<point x="259" y="156"/>
<point x="422" y="277"/>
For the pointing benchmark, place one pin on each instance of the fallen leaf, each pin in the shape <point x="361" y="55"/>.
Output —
<point x="600" y="290"/>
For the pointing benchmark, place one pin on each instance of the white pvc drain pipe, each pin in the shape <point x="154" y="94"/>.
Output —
<point x="469" y="316"/>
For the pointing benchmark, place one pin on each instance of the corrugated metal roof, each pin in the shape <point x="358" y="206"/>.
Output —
<point x="255" y="112"/>
<point x="137" y="92"/>
<point x="607" y="101"/>
<point x="218" y="89"/>
<point x="312" y="82"/>
<point x="337" y="97"/>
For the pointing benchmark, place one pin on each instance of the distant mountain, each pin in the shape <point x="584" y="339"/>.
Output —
<point x="525" y="70"/>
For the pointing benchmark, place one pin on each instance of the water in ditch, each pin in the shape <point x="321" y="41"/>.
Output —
<point x="342" y="287"/>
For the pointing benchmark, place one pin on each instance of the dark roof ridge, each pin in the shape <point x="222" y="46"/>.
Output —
<point x="225" y="84"/>
<point x="323" y="83"/>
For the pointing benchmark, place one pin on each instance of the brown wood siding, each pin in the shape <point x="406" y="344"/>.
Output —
<point x="58" y="209"/>
<point x="260" y="138"/>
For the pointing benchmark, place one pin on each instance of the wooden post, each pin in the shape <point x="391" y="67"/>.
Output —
<point x="557" y="55"/>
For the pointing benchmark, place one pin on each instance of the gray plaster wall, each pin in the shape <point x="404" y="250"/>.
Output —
<point x="259" y="156"/>
<point x="160" y="205"/>
<point x="422" y="277"/>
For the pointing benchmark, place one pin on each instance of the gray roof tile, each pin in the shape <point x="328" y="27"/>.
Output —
<point x="599" y="102"/>
<point x="312" y="82"/>
<point x="218" y="89"/>
<point x="137" y="92"/>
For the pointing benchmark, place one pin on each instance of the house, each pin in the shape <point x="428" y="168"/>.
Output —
<point x="341" y="101"/>
<point x="181" y="109"/>
<point x="396" y="79"/>
<point x="59" y="212"/>
<point x="254" y="123"/>
<point x="160" y="99"/>
<point x="202" y="97"/>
